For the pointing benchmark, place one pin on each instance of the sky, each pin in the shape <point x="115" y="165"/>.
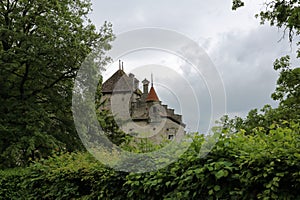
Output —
<point x="240" y="50"/>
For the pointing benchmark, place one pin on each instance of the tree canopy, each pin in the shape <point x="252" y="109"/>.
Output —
<point x="284" y="14"/>
<point x="42" y="45"/>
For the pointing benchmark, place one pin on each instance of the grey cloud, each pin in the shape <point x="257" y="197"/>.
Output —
<point x="241" y="49"/>
<point x="245" y="60"/>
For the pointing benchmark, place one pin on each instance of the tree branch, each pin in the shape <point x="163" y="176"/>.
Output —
<point x="25" y="76"/>
<point x="60" y="78"/>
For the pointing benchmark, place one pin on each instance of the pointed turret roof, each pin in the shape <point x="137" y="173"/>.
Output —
<point x="152" y="96"/>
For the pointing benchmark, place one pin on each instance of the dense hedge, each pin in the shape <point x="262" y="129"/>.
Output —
<point x="263" y="165"/>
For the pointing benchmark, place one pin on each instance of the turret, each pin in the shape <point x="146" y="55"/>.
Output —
<point x="145" y="86"/>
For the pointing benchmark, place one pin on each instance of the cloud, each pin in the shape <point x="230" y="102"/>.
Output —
<point x="191" y="17"/>
<point x="245" y="61"/>
<point x="242" y="51"/>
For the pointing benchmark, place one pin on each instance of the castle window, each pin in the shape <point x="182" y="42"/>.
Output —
<point x="154" y="129"/>
<point x="167" y="129"/>
<point x="170" y="137"/>
<point x="154" y="109"/>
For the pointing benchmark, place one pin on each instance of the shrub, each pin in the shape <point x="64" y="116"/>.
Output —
<point x="240" y="166"/>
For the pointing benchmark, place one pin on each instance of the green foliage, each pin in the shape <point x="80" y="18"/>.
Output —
<point x="288" y="87"/>
<point x="42" y="46"/>
<point x="283" y="14"/>
<point x="236" y="4"/>
<point x="10" y="183"/>
<point x="279" y="13"/>
<point x="240" y="166"/>
<point x="65" y="176"/>
<point x="254" y="158"/>
<point x="108" y="123"/>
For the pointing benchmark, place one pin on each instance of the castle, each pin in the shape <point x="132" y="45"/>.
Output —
<point x="137" y="112"/>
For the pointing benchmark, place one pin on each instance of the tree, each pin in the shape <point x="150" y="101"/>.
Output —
<point x="283" y="14"/>
<point x="42" y="45"/>
<point x="288" y="88"/>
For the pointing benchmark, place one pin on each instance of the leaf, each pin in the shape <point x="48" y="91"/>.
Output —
<point x="221" y="173"/>
<point x="217" y="188"/>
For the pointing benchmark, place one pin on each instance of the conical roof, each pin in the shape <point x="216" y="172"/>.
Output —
<point x="152" y="96"/>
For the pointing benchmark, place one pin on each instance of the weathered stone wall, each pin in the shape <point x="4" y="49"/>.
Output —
<point x="145" y="119"/>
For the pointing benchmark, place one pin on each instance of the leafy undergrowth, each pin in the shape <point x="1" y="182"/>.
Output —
<point x="260" y="165"/>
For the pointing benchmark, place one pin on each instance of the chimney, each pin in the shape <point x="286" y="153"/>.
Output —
<point x="136" y="83"/>
<point x="119" y="64"/>
<point x="131" y="76"/>
<point x="122" y="67"/>
<point x="145" y="86"/>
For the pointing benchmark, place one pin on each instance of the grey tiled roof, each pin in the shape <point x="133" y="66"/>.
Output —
<point x="118" y="82"/>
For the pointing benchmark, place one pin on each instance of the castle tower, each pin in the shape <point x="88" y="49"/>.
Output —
<point x="145" y="86"/>
<point x="152" y="96"/>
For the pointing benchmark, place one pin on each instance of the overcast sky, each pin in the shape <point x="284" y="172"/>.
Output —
<point x="241" y="50"/>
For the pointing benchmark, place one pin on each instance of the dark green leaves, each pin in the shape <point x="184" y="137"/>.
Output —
<point x="42" y="45"/>
<point x="236" y="4"/>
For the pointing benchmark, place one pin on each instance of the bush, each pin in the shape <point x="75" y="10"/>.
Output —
<point x="240" y="166"/>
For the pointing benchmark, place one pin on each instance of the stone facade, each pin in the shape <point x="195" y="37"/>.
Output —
<point x="140" y="113"/>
